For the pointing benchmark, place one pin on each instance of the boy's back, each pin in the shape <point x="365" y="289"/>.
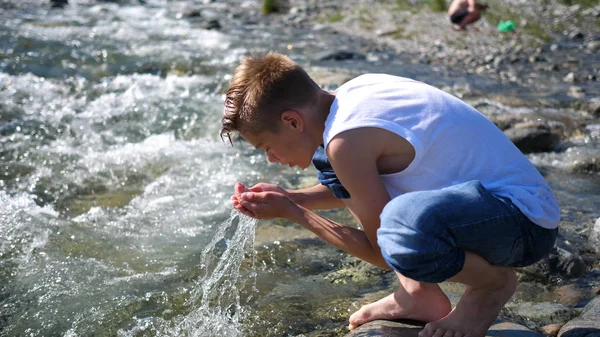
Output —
<point x="453" y="142"/>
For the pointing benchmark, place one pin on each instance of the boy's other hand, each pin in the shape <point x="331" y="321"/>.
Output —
<point x="265" y="187"/>
<point x="260" y="187"/>
<point x="264" y="205"/>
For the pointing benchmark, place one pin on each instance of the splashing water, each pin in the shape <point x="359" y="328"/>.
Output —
<point x="217" y="293"/>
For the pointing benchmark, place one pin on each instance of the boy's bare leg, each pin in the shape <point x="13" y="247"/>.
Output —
<point x="488" y="289"/>
<point x="414" y="300"/>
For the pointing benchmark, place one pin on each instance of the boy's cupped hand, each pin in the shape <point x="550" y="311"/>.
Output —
<point x="262" y="201"/>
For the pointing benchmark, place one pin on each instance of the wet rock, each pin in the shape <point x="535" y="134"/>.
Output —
<point x="383" y="328"/>
<point x="358" y="272"/>
<point x="12" y="171"/>
<point x="508" y="329"/>
<point x="570" y="78"/>
<point x="338" y="55"/>
<point x="189" y="14"/>
<point x="595" y="235"/>
<point x="593" y="46"/>
<point x="533" y="292"/>
<point x="573" y="295"/>
<point x="578" y="36"/>
<point x="489" y="58"/>
<point x="536" y="58"/>
<point x="587" y="324"/>
<point x="576" y="92"/>
<point x="592" y="106"/>
<point x="211" y="24"/>
<point x="313" y="258"/>
<point x="80" y="204"/>
<point x="406" y="328"/>
<point x="551" y="329"/>
<point x="560" y="263"/>
<point x="533" y="138"/>
<point x="540" y="314"/>
<point x="587" y="165"/>
<point x="59" y="3"/>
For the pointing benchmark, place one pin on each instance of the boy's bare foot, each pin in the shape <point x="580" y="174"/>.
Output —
<point x="476" y="310"/>
<point x="458" y="28"/>
<point x="426" y="305"/>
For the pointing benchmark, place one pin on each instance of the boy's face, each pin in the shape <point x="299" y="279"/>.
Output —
<point x="287" y="147"/>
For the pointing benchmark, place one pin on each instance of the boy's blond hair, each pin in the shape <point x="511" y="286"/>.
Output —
<point x="262" y="88"/>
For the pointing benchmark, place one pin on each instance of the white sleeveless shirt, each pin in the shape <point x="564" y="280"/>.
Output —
<point x="454" y="143"/>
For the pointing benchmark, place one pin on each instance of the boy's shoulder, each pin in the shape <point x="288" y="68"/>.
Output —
<point x="366" y="84"/>
<point x="375" y="78"/>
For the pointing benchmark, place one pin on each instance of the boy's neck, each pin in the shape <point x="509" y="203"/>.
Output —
<point x="325" y="101"/>
<point x="317" y="117"/>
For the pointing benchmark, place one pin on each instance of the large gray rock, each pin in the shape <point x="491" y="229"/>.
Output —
<point x="587" y="324"/>
<point x="533" y="138"/>
<point x="541" y="314"/>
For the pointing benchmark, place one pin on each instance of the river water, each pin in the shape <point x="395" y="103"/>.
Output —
<point x="114" y="188"/>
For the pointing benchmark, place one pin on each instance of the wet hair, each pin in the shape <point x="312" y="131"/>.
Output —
<point x="262" y="88"/>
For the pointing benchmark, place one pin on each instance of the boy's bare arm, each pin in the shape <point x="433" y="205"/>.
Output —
<point x="353" y="155"/>
<point x="271" y="205"/>
<point x="315" y="197"/>
<point x="351" y="240"/>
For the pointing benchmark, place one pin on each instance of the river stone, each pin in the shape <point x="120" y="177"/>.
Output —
<point x="592" y="106"/>
<point x="551" y="329"/>
<point x="383" y="328"/>
<point x="588" y="165"/>
<point x="586" y="325"/>
<point x="542" y="313"/>
<point x="533" y="139"/>
<point x="406" y="328"/>
<point x="572" y="295"/>
<point x="559" y="262"/>
<point x="595" y="235"/>
<point x="592" y="310"/>
<point x="338" y="55"/>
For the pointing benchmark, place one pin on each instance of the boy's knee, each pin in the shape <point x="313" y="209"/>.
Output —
<point x="414" y="242"/>
<point x="416" y="210"/>
<point x="425" y="267"/>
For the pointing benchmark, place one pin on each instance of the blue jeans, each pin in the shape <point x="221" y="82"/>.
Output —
<point x="424" y="235"/>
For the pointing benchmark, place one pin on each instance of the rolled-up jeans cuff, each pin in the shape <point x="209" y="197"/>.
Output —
<point x="441" y="272"/>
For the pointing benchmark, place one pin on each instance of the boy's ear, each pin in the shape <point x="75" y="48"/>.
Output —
<point x="292" y="119"/>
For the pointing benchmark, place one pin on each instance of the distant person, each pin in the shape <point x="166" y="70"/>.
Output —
<point x="440" y="192"/>
<point x="464" y="12"/>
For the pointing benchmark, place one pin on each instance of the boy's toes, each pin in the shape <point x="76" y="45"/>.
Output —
<point x="429" y="330"/>
<point x="442" y="333"/>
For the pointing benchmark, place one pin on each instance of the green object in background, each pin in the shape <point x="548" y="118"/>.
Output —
<point x="269" y="6"/>
<point x="506" y="26"/>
